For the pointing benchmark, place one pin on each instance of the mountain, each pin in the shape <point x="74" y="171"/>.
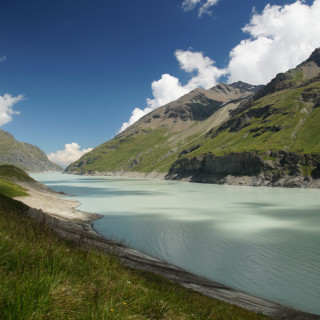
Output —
<point x="155" y="141"/>
<point x="246" y="87"/>
<point x="227" y="134"/>
<point x="271" y="139"/>
<point x="24" y="155"/>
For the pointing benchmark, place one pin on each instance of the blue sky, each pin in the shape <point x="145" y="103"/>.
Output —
<point x="84" y="66"/>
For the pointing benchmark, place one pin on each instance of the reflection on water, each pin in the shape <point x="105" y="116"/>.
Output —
<point x="264" y="241"/>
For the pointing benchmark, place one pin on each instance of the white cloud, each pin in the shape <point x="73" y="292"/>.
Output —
<point x="188" y="5"/>
<point x="6" y="103"/>
<point x="164" y="90"/>
<point x="204" y="8"/>
<point x="207" y="74"/>
<point x="280" y="38"/>
<point x="3" y="59"/>
<point x="70" y="154"/>
<point x="169" y="88"/>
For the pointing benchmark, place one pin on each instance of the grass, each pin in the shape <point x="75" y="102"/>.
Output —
<point x="141" y="151"/>
<point x="10" y="189"/>
<point x="13" y="173"/>
<point x="299" y="122"/>
<point x="44" y="277"/>
<point x="8" y="174"/>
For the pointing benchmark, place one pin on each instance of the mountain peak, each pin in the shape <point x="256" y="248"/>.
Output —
<point x="309" y="70"/>
<point x="315" y="57"/>
<point x="246" y="86"/>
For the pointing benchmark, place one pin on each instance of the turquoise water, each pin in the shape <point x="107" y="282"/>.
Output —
<point x="264" y="241"/>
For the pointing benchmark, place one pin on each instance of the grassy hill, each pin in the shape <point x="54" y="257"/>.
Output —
<point x="9" y="174"/>
<point x="13" y="173"/>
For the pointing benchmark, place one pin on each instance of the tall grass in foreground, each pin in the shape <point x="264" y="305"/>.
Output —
<point x="44" y="277"/>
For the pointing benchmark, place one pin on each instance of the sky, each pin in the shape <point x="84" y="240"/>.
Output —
<point x="75" y="73"/>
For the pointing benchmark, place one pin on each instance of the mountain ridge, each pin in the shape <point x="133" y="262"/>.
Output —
<point x="24" y="155"/>
<point x="275" y="131"/>
<point x="275" y="126"/>
<point x="155" y="139"/>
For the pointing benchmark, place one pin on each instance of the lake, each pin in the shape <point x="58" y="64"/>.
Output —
<point x="263" y="241"/>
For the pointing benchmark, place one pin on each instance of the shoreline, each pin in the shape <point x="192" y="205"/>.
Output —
<point x="231" y="180"/>
<point x="74" y="225"/>
<point x="127" y="174"/>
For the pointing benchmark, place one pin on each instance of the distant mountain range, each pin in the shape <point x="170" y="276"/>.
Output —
<point x="24" y="155"/>
<point x="236" y="134"/>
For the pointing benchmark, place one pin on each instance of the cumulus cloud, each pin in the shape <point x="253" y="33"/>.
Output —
<point x="203" y="6"/>
<point x="169" y="88"/>
<point x="71" y="153"/>
<point x="207" y="74"/>
<point x="280" y="38"/>
<point x="7" y="102"/>
<point x="164" y="90"/>
<point x="3" y="59"/>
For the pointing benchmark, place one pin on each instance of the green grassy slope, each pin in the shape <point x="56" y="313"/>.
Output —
<point x="145" y="151"/>
<point x="43" y="277"/>
<point x="13" y="173"/>
<point x="10" y="189"/>
<point x="9" y="174"/>
<point x="122" y="153"/>
<point x="291" y="124"/>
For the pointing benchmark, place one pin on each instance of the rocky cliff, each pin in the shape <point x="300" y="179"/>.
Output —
<point x="280" y="169"/>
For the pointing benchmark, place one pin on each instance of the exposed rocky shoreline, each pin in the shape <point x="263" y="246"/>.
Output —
<point x="273" y="169"/>
<point x="68" y="223"/>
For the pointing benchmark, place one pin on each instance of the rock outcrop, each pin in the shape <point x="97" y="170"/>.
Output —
<point x="281" y="169"/>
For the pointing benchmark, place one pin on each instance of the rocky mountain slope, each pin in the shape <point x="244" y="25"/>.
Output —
<point x="24" y="155"/>
<point x="273" y="138"/>
<point x="155" y="141"/>
<point x="227" y="134"/>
